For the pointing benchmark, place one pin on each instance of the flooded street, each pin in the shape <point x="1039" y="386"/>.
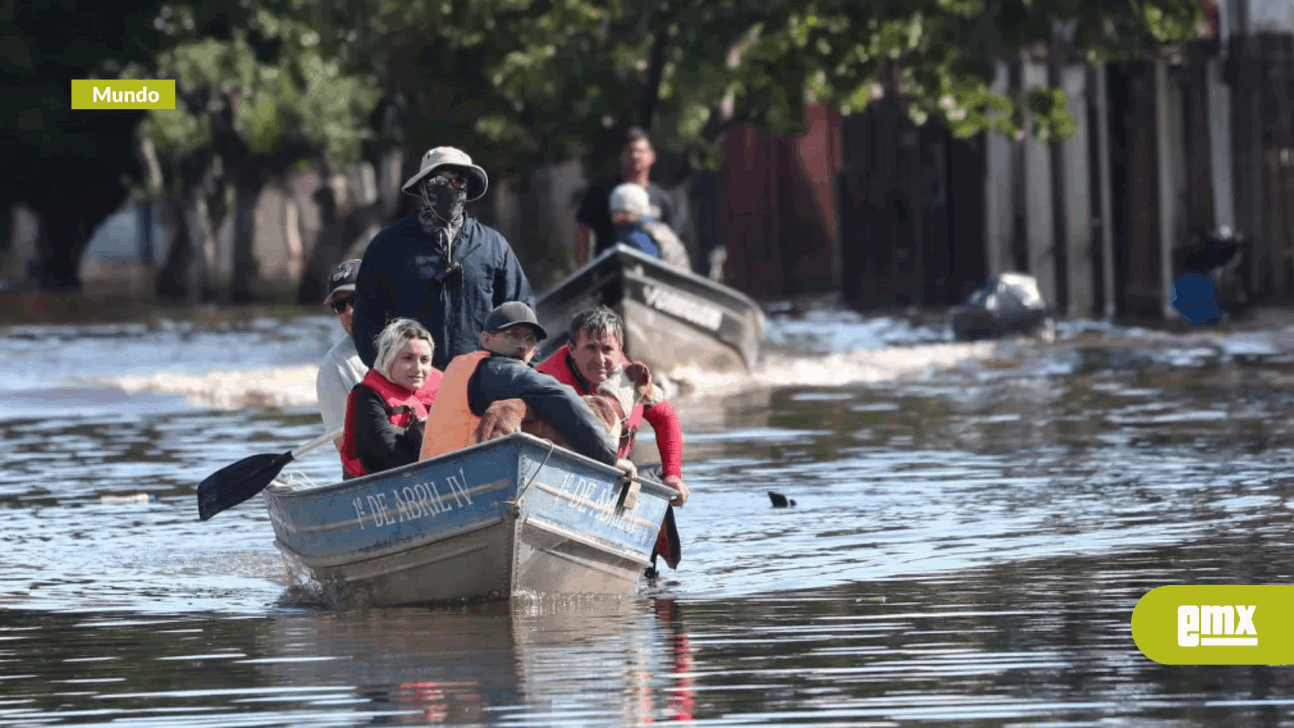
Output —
<point x="972" y="528"/>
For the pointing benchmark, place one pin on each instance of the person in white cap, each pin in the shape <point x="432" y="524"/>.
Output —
<point x="636" y="227"/>
<point x="595" y="232"/>
<point x="342" y="368"/>
<point x="439" y="266"/>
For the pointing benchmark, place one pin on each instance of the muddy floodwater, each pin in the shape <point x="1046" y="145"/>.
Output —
<point x="973" y="524"/>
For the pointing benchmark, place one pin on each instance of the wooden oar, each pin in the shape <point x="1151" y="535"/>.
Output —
<point x="233" y="484"/>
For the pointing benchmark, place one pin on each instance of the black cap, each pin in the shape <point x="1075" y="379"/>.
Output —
<point x="342" y="279"/>
<point x="514" y="313"/>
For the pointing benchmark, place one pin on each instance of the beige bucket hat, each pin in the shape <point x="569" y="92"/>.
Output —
<point x="477" y="181"/>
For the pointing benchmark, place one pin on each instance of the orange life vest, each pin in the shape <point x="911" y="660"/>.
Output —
<point x="559" y="367"/>
<point x="402" y="407"/>
<point x="450" y="424"/>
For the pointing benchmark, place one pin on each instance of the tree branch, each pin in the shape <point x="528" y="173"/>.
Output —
<point x="657" y="59"/>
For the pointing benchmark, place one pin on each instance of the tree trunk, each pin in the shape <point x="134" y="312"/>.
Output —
<point x="62" y="241"/>
<point x="327" y="249"/>
<point x="339" y="228"/>
<point x="658" y="58"/>
<point x="1056" y="57"/>
<point x="175" y="280"/>
<point x="6" y="231"/>
<point x="209" y="223"/>
<point x="1020" y="206"/>
<point x="246" y="270"/>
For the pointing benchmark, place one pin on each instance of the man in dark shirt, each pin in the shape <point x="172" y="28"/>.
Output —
<point x="594" y="215"/>
<point x="501" y="370"/>
<point x="439" y="266"/>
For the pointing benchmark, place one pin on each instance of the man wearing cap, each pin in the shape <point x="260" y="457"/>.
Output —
<point x="637" y="228"/>
<point x="440" y="266"/>
<point x="342" y="368"/>
<point x="501" y="370"/>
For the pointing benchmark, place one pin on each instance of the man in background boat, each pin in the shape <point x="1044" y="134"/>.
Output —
<point x="500" y="370"/>
<point x="341" y="369"/>
<point x="439" y="266"/>
<point x="637" y="228"/>
<point x="593" y="355"/>
<point x="594" y="215"/>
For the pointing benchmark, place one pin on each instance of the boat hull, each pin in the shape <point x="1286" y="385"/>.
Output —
<point x="508" y="517"/>
<point x="673" y="318"/>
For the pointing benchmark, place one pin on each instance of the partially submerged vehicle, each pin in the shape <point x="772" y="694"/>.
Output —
<point x="1008" y="305"/>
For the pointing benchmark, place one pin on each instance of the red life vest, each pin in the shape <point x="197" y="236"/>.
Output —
<point x="402" y="408"/>
<point x="560" y="367"/>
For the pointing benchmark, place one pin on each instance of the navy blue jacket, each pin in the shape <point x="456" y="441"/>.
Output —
<point x="403" y="275"/>
<point x="504" y="377"/>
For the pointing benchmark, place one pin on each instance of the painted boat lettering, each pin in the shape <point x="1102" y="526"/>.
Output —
<point x="410" y="502"/>
<point x="602" y="508"/>
<point x="688" y="308"/>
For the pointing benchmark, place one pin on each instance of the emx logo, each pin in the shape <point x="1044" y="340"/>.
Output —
<point x="1215" y="624"/>
<point x="1225" y="625"/>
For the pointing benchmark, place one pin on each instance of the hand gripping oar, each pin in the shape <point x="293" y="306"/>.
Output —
<point x="233" y="484"/>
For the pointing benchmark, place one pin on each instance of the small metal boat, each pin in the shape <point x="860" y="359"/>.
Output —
<point x="672" y="317"/>
<point x="511" y="516"/>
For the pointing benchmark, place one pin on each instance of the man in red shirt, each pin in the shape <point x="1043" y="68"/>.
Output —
<point x="594" y="353"/>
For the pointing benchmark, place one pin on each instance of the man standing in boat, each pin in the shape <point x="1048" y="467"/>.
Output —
<point x="342" y="368"/>
<point x="500" y="370"/>
<point x="594" y="215"/>
<point x="593" y="355"/>
<point x="439" y="266"/>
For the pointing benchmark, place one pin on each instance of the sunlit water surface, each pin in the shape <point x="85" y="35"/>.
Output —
<point x="973" y="525"/>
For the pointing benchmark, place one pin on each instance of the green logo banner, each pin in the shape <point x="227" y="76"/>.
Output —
<point x="1216" y="625"/>
<point x="123" y="94"/>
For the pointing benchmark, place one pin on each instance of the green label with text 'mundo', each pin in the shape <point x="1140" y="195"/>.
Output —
<point x="123" y="94"/>
<point x="1216" y="625"/>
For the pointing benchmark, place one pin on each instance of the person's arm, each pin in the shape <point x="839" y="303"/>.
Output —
<point x="556" y="403"/>
<point x="583" y="244"/>
<point x="669" y="437"/>
<point x="586" y="217"/>
<point x="669" y="441"/>
<point x="379" y="444"/>
<point x="369" y="316"/>
<point x="332" y="391"/>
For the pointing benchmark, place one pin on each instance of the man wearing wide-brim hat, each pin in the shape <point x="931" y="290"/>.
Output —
<point x="439" y="266"/>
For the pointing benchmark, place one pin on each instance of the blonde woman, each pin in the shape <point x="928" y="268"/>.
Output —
<point x="386" y="412"/>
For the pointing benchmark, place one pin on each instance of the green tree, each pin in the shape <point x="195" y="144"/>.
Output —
<point x="66" y="165"/>
<point x="249" y="109"/>
<point x="689" y="70"/>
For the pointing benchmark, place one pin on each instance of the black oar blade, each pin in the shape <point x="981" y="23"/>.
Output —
<point x="233" y="484"/>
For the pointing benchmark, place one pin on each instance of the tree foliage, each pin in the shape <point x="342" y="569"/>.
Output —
<point x="65" y="164"/>
<point x="268" y="84"/>
<point x="249" y="107"/>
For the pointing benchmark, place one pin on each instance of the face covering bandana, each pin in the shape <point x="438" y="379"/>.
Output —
<point x="442" y="204"/>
